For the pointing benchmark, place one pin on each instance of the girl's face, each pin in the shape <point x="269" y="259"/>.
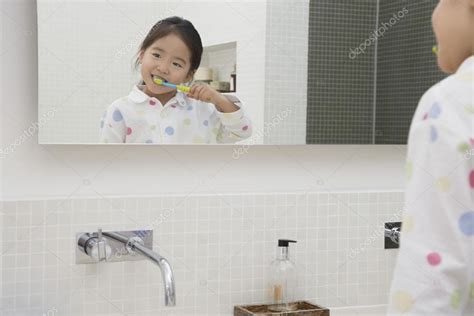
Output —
<point x="453" y="24"/>
<point x="168" y="58"/>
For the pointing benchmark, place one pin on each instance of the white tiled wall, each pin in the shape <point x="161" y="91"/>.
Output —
<point x="286" y="72"/>
<point x="219" y="247"/>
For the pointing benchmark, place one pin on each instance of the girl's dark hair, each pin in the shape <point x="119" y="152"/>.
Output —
<point x="181" y="28"/>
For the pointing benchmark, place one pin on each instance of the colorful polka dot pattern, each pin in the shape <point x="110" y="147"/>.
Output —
<point x="434" y="258"/>
<point x="455" y="299"/>
<point x="463" y="148"/>
<point x="407" y="223"/>
<point x="117" y="116"/>
<point x="469" y="109"/>
<point x="435" y="110"/>
<point x="466" y="223"/>
<point x="402" y="301"/>
<point x="169" y="130"/>
<point x="409" y="170"/>
<point x="433" y="133"/>
<point x="443" y="184"/>
<point x="198" y="140"/>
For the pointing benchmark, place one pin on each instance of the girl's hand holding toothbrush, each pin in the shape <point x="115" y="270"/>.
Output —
<point x="206" y="93"/>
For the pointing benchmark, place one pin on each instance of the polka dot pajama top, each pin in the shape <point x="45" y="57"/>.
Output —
<point x="434" y="273"/>
<point x="139" y="118"/>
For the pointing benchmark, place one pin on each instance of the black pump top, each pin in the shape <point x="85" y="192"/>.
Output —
<point x="284" y="242"/>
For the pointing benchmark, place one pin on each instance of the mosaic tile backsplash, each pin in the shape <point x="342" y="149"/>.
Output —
<point x="219" y="247"/>
<point x="369" y="63"/>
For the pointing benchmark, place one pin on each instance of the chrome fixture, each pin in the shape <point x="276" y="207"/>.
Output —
<point x="125" y="246"/>
<point x="95" y="246"/>
<point x="393" y="234"/>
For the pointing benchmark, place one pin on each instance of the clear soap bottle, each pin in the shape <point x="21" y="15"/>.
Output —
<point x="283" y="279"/>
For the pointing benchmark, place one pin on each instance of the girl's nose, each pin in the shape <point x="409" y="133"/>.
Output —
<point x="162" y="69"/>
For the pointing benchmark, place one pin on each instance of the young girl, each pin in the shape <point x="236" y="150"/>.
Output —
<point x="434" y="274"/>
<point x="157" y="114"/>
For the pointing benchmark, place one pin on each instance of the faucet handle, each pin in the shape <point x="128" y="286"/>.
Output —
<point x="95" y="246"/>
<point x="102" y="247"/>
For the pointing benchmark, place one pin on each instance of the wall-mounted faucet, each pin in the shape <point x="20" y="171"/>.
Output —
<point x="125" y="246"/>
<point x="392" y="234"/>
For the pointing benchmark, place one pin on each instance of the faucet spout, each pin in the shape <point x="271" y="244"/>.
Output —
<point x="166" y="272"/>
<point x="135" y="244"/>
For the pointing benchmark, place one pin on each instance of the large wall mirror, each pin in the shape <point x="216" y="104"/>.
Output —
<point x="279" y="72"/>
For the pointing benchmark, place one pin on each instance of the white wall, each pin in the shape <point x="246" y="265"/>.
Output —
<point x="34" y="171"/>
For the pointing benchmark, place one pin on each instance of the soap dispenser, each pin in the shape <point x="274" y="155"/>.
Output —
<point x="282" y="279"/>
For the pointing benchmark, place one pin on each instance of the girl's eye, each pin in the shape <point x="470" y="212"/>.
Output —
<point x="158" y="56"/>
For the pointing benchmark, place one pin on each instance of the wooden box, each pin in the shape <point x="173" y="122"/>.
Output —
<point x="301" y="308"/>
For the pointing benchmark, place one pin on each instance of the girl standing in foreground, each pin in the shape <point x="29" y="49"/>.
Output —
<point x="153" y="113"/>
<point x="434" y="274"/>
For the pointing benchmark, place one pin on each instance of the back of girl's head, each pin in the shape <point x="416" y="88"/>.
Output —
<point x="183" y="29"/>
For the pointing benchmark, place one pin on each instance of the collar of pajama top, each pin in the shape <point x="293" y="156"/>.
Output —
<point x="467" y="66"/>
<point x="138" y="96"/>
<point x="432" y="103"/>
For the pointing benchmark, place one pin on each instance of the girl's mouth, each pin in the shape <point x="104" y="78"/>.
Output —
<point x="153" y="77"/>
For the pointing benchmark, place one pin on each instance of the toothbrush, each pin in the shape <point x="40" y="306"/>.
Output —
<point x="167" y="84"/>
